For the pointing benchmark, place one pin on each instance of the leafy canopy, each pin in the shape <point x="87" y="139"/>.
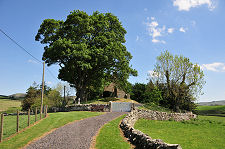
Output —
<point x="180" y="80"/>
<point x="88" y="48"/>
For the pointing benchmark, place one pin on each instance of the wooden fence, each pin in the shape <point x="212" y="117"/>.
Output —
<point x="17" y="120"/>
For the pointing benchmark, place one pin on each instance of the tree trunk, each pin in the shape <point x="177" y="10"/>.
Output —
<point x="81" y="93"/>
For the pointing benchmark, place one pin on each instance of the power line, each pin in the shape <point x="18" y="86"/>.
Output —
<point x="27" y="53"/>
<point x="19" y="46"/>
<point x="52" y="74"/>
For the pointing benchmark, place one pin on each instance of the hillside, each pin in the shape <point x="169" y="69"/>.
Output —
<point x="211" y="110"/>
<point x="212" y="103"/>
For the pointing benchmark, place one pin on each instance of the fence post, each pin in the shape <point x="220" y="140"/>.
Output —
<point x="28" y="123"/>
<point x="46" y="111"/>
<point x="110" y="106"/>
<point x="1" y="130"/>
<point x="36" y="114"/>
<point x="40" y="113"/>
<point x="17" y="121"/>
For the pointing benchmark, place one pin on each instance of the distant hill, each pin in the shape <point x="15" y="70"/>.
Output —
<point x="4" y="97"/>
<point x="212" y="103"/>
<point x="17" y="96"/>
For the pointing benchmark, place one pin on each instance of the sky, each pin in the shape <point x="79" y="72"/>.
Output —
<point x="192" y="28"/>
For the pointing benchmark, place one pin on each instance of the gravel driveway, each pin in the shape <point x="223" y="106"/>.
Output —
<point x="76" y="135"/>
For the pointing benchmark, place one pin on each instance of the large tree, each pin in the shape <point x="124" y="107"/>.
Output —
<point x="180" y="79"/>
<point x="89" y="49"/>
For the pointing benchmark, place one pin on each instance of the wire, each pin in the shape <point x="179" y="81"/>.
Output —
<point x="19" y="46"/>
<point x="28" y="53"/>
<point x="52" y="74"/>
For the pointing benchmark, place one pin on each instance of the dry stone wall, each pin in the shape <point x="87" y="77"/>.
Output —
<point x="144" y="141"/>
<point x="90" y="107"/>
<point x="84" y="107"/>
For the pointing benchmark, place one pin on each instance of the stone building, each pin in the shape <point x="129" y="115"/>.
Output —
<point x="112" y="91"/>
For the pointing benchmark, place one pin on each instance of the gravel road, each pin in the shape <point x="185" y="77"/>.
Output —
<point x="76" y="135"/>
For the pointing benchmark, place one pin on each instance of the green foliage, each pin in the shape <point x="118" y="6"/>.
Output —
<point x="138" y="92"/>
<point x="55" y="98"/>
<point x="146" y="93"/>
<point x="53" y="121"/>
<point x="30" y="98"/>
<point x="179" y="80"/>
<point x="33" y="97"/>
<point x="88" y="49"/>
<point x="110" y="136"/>
<point x="153" y="96"/>
<point x="205" y="132"/>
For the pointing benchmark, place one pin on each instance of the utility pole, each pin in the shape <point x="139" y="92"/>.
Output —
<point x="64" y="98"/>
<point x="64" y="93"/>
<point x="42" y="90"/>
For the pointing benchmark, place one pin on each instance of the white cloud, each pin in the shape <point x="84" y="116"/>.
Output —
<point x="49" y="82"/>
<point x="32" y="61"/>
<point x="158" y="41"/>
<point x="145" y="9"/>
<point x="155" y="31"/>
<point x="182" y="29"/>
<point x="170" y="30"/>
<point x="185" y="5"/>
<point x="137" y="38"/>
<point x="216" y="67"/>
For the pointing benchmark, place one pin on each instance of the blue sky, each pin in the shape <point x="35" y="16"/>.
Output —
<point x="193" y="28"/>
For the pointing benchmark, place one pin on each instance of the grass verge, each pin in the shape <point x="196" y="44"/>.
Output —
<point x="205" y="132"/>
<point x="211" y="110"/>
<point x="110" y="136"/>
<point x="54" y="120"/>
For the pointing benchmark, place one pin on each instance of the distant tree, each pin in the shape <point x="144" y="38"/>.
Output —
<point x="179" y="80"/>
<point x="33" y="96"/>
<point x="138" y="92"/>
<point x="30" y="98"/>
<point x="152" y="96"/>
<point x="47" y="89"/>
<point x="88" y="49"/>
<point x="55" y="99"/>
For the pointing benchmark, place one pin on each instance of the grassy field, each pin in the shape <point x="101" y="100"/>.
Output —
<point x="10" y="124"/>
<point x="110" y="136"/>
<point x="9" y="106"/>
<point x="205" y="132"/>
<point x="211" y="110"/>
<point x="54" y="120"/>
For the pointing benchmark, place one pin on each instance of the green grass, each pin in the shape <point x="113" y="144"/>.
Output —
<point x="110" y="136"/>
<point x="211" y="110"/>
<point x="205" y="132"/>
<point x="54" y="120"/>
<point x="9" y="106"/>
<point x="10" y="124"/>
